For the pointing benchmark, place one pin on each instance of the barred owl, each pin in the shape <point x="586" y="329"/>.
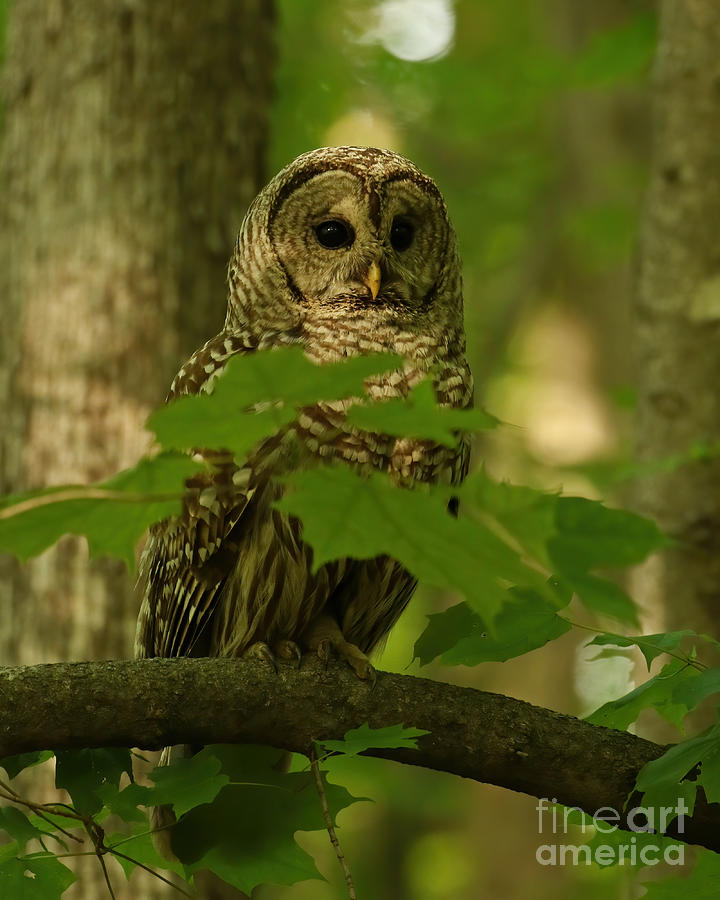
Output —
<point x="346" y="251"/>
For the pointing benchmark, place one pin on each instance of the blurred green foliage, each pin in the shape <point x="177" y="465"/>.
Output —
<point x="3" y="20"/>
<point x="482" y="120"/>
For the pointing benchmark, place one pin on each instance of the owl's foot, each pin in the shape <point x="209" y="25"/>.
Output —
<point x="288" y="650"/>
<point x="282" y="649"/>
<point x="325" y="637"/>
<point x="260" y="650"/>
<point x="352" y="655"/>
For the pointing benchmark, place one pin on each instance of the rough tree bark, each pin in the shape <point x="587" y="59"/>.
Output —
<point x="475" y="734"/>
<point x="678" y="315"/>
<point x="133" y="140"/>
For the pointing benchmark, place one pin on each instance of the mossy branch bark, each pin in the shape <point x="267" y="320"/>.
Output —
<point x="487" y="737"/>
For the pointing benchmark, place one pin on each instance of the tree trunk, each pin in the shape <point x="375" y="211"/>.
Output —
<point x="134" y="139"/>
<point x="678" y="316"/>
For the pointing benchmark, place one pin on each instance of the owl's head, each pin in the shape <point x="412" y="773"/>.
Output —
<point x="346" y="231"/>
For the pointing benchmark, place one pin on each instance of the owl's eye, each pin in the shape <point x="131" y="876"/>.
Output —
<point x="402" y="232"/>
<point x="334" y="234"/>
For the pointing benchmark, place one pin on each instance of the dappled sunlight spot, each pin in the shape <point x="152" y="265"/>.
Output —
<point x="646" y="580"/>
<point x="363" y="128"/>
<point x="597" y="681"/>
<point x="565" y="423"/>
<point x="413" y="30"/>
<point x="551" y="392"/>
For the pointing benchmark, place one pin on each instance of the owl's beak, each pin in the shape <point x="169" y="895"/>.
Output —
<point x="372" y="279"/>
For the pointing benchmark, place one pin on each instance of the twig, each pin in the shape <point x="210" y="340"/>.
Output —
<point x="96" y="833"/>
<point x="42" y="810"/>
<point x="148" y="869"/>
<point x="82" y="493"/>
<point x="107" y="877"/>
<point x="329" y="824"/>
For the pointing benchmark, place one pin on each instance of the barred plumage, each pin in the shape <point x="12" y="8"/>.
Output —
<point x="232" y="575"/>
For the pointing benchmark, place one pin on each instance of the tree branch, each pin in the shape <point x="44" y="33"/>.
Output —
<point x="486" y="737"/>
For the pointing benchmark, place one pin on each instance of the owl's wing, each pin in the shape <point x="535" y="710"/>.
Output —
<point x="188" y="558"/>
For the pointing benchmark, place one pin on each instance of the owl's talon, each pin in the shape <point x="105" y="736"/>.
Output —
<point x="260" y="650"/>
<point x="333" y="645"/>
<point x="360" y="664"/>
<point x="288" y="650"/>
<point x="325" y="651"/>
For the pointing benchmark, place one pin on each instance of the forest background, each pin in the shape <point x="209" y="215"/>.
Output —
<point x="538" y="128"/>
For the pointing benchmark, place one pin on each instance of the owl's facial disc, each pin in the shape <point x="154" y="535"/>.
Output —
<point x="344" y="239"/>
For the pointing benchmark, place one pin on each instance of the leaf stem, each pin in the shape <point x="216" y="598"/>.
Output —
<point x="148" y="869"/>
<point x="42" y="810"/>
<point x="329" y="824"/>
<point x="639" y="642"/>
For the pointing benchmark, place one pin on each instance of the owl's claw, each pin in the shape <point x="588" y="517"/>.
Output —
<point x="260" y="650"/>
<point x="352" y="655"/>
<point x="326" y="639"/>
<point x="288" y="650"/>
<point x="324" y="651"/>
<point x="362" y="666"/>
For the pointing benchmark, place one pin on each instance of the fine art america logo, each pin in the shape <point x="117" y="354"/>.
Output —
<point x="632" y="850"/>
